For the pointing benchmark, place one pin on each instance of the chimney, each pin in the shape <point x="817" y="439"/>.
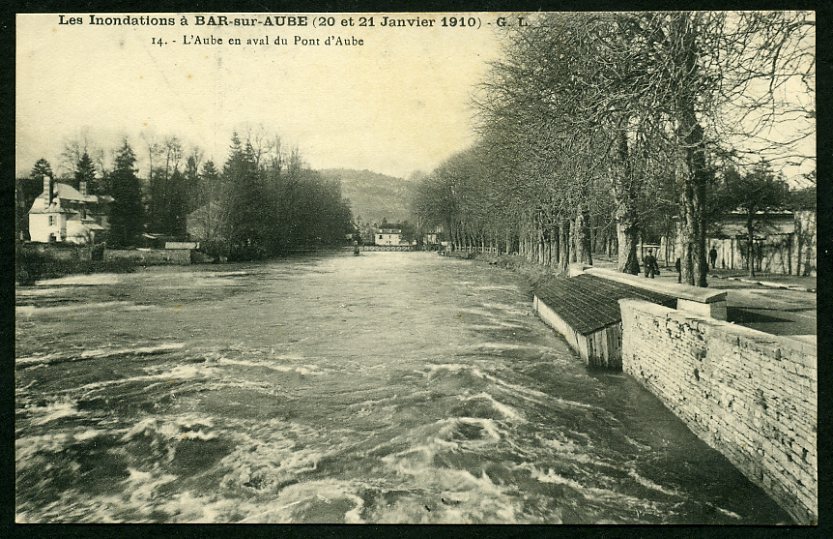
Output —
<point x="82" y="186"/>
<point x="48" y="188"/>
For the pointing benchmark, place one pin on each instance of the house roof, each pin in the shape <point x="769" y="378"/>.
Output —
<point x="390" y="231"/>
<point x="68" y="193"/>
<point x="588" y="303"/>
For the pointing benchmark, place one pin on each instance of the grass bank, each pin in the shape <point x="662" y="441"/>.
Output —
<point x="535" y="274"/>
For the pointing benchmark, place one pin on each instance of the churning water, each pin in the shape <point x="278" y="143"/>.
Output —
<point x="389" y="387"/>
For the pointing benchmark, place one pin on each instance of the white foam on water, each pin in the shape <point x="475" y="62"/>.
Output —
<point x="45" y="358"/>
<point x="191" y="508"/>
<point x="570" y="450"/>
<point x="180" y="372"/>
<point x="266" y="455"/>
<point x="417" y="459"/>
<point x="227" y="273"/>
<point x="574" y="404"/>
<point x="487" y="287"/>
<point x="488" y="427"/>
<point x="223" y="383"/>
<point x="489" y="315"/>
<point x="637" y="444"/>
<point x="303" y="502"/>
<point x="142" y="350"/>
<point x="183" y="372"/>
<point x="89" y="434"/>
<point x="551" y="477"/>
<point x="165" y="433"/>
<point x="506" y="346"/>
<point x="142" y="485"/>
<point x="495" y="325"/>
<point x="512" y="309"/>
<point x="726" y="512"/>
<point x="54" y="442"/>
<point x="449" y="495"/>
<point x="45" y="291"/>
<point x="52" y="411"/>
<point x="142" y="308"/>
<point x="198" y="435"/>
<point x="647" y="483"/>
<point x="596" y="494"/>
<point x="32" y="310"/>
<point x="305" y="370"/>
<point x="26" y="447"/>
<point x="505" y="410"/>
<point x="525" y="393"/>
<point x="94" y="279"/>
<point x="425" y="442"/>
<point x="99" y="353"/>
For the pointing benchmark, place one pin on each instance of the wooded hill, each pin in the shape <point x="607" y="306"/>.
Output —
<point x="374" y="196"/>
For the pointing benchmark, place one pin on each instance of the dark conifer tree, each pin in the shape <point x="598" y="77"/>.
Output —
<point x="42" y="168"/>
<point x="126" y="215"/>
<point x="85" y="172"/>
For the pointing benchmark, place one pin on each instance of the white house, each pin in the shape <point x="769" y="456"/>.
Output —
<point x="388" y="236"/>
<point x="62" y="213"/>
<point x="432" y="237"/>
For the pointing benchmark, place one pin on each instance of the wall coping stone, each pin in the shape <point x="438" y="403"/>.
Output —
<point x="727" y="328"/>
<point x="683" y="291"/>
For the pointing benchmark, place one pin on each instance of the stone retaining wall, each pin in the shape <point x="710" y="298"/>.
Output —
<point x="58" y="251"/>
<point x="151" y="257"/>
<point x="750" y="395"/>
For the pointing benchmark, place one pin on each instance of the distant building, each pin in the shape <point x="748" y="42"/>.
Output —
<point x="388" y="236"/>
<point x="64" y="214"/>
<point x="433" y="237"/>
<point x="785" y="244"/>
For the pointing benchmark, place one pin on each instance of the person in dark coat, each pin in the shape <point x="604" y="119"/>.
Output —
<point x="650" y="263"/>
<point x="679" y="269"/>
<point x="713" y="257"/>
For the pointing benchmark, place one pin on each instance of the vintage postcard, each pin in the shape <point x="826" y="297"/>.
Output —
<point x="441" y="267"/>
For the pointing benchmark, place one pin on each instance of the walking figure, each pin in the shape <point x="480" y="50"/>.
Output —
<point x="713" y="257"/>
<point x="679" y="269"/>
<point x="650" y="262"/>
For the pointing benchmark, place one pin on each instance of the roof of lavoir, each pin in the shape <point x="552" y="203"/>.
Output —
<point x="589" y="303"/>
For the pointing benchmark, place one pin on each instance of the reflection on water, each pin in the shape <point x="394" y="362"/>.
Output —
<point x="390" y="387"/>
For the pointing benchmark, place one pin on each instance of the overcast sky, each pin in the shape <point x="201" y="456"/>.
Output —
<point x="398" y="104"/>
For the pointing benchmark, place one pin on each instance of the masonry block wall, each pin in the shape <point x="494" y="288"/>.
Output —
<point x="750" y="395"/>
<point x="151" y="256"/>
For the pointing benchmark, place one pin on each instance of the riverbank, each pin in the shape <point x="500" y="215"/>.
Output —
<point x="33" y="263"/>
<point x="535" y="274"/>
<point x="31" y="266"/>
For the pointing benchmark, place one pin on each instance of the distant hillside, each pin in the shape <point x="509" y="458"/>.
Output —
<point x="374" y="196"/>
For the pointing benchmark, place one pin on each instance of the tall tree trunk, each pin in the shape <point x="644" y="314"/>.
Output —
<point x="695" y="179"/>
<point x="553" y="235"/>
<point x="582" y="236"/>
<point x="591" y="237"/>
<point x="627" y="222"/>
<point x="573" y="242"/>
<point x="564" y="240"/>
<point x="750" y="245"/>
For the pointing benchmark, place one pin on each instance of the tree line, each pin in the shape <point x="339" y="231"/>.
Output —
<point x="262" y="202"/>
<point x="601" y="129"/>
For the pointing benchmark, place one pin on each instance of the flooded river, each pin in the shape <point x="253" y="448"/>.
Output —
<point x="389" y="387"/>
